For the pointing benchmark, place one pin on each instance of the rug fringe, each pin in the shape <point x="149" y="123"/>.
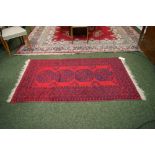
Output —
<point x="18" y="81"/>
<point x="140" y="91"/>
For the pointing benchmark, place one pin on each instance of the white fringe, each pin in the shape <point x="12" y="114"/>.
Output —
<point x="140" y="91"/>
<point x="18" y="81"/>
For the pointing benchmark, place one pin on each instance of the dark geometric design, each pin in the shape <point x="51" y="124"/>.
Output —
<point x="75" y="80"/>
<point x="84" y="75"/>
<point x="103" y="74"/>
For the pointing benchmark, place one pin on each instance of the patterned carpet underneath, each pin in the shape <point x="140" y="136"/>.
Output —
<point x="47" y="40"/>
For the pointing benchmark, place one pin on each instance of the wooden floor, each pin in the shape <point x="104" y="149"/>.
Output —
<point x="147" y="44"/>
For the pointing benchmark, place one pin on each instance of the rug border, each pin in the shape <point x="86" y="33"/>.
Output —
<point x="79" y="52"/>
<point x="18" y="80"/>
<point x="139" y="90"/>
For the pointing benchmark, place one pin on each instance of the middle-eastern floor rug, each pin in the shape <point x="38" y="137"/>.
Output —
<point x="57" y="40"/>
<point x="99" y="79"/>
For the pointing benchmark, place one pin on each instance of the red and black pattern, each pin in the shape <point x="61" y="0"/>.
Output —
<point x="75" y="80"/>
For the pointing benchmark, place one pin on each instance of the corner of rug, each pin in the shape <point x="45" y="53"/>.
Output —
<point x="18" y="80"/>
<point x="140" y="91"/>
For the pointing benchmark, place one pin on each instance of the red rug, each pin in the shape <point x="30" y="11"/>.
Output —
<point x="75" y="80"/>
<point x="99" y="33"/>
